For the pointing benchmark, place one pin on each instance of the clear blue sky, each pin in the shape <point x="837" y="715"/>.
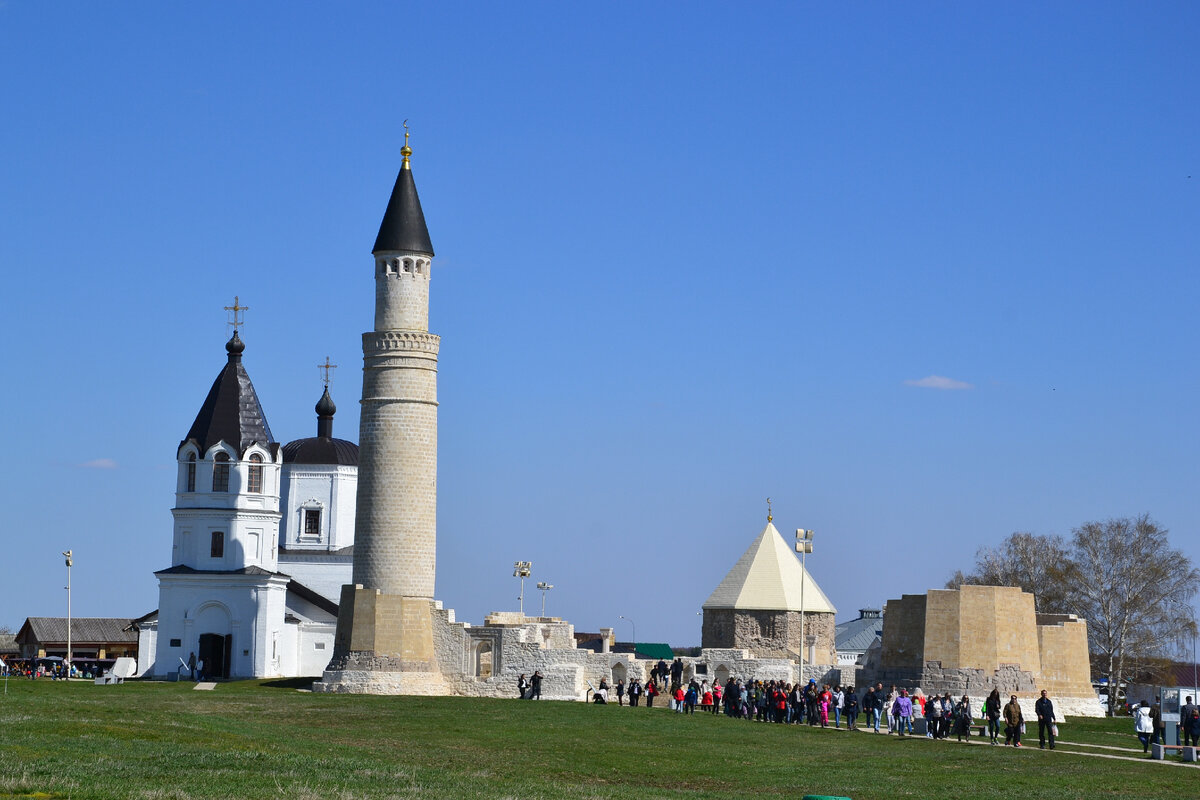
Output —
<point x="689" y="256"/>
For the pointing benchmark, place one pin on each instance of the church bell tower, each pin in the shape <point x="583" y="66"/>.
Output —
<point x="384" y="640"/>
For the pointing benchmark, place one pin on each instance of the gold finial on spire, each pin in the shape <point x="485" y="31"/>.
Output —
<point x="769" y="517"/>
<point x="236" y="313"/>
<point x="405" y="151"/>
<point x="326" y="368"/>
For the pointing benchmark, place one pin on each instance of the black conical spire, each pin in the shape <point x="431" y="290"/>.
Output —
<point x="403" y="226"/>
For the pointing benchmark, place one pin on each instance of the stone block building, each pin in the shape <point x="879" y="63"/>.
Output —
<point x="976" y="638"/>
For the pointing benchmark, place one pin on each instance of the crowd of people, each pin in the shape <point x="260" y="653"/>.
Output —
<point x="882" y="709"/>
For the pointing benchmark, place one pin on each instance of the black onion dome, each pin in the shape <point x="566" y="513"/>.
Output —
<point x="231" y="413"/>
<point x="321" y="450"/>
<point x="403" y="226"/>
<point x="235" y="345"/>
<point x="325" y="406"/>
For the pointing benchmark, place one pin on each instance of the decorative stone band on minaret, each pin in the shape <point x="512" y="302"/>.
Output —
<point x="384" y="640"/>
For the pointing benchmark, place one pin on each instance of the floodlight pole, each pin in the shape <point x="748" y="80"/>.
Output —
<point x="545" y="587"/>
<point x="804" y="546"/>
<point x="522" y="569"/>
<point x="70" y="563"/>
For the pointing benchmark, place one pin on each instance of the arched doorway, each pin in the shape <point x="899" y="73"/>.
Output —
<point x="214" y="651"/>
<point x="721" y="675"/>
<point x="619" y="672"/>
<point x="215" y="645"/>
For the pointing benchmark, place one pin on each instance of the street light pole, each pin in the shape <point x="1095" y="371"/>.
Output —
<point x="634" y="624"/>
<point x="70" y="563"/>
<point x="545" y="587"/>
<point x="804" y="546"/>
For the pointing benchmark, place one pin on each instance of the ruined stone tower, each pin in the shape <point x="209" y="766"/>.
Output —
<point x="384" y="640"/>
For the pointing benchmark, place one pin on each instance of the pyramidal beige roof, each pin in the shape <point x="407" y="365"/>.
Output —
<point x="768" y="577"/>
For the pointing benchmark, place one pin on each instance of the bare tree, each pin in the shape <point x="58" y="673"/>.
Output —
<point x="1133" y="589"/>
<point x="1027" y="560"/>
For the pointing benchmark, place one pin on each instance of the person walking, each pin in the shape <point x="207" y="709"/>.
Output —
<point x="992" y="710"/>
<point x="839" y="705"/>
<point x="1044" y="708"/>
<point x="522" y="687"/>
<point x="851" y="708"/>
<point x="962" y="718"/>
<point x="902" y="712"/>
<point x="651" y="693"/>
<point x="1143" y="724"/>
<point x="621" y="692"/>
<point x="635" y="692"/>
<point x="1185" y="716"/>
<point x="535" y="690"/>
<point x="1013" y="719"/>
<point x="1160" y="725"/>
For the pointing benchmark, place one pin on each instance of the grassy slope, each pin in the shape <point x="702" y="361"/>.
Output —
<point x="257" y="741"/>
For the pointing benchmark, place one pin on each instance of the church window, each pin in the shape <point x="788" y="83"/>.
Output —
<point x="177" y="643"/>
<point x="256" y="474"/>
<point x="312" y="522"/>
<point x="217" y="548"/>
<point x="407" y="265"/>
<point x="221" y="472"/>
<point x="191" y="473"/>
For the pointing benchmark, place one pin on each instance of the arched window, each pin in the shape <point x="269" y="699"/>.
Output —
<point x="255" y="482"/>
<point x="191" y="472"/>
<point x="221" y="472"/>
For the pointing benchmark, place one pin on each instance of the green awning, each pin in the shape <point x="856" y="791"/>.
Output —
<point x="654" y="650"/>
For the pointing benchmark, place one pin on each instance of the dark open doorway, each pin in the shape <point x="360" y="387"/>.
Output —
<point x="215" y="650"/>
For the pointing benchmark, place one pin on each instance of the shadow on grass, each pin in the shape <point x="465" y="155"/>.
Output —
<point x="289" y="683"/>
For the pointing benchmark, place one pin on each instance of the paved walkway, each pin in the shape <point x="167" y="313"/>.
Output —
<point x="204" y="686"/>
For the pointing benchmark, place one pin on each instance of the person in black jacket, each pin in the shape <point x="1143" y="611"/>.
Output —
<point x="851" y="708"/>
<point x="1044" y="708"/>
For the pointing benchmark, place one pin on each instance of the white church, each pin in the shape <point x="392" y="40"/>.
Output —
<point x="263" y="541"/>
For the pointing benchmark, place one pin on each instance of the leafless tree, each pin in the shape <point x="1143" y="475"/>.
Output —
<point x="1133" y="589"/>
<point x="1031" y="562"/>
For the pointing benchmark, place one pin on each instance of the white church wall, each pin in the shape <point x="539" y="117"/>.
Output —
<point x="331" y="490"/>
<point x="248" y="608"/>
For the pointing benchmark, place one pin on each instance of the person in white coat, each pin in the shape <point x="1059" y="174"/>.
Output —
<point x="1143" y="724"/>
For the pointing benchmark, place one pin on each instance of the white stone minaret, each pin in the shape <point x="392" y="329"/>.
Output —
<point x="384" y="642"/>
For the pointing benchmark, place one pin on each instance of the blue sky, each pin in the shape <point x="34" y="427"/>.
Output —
<point x="689" y="256"/>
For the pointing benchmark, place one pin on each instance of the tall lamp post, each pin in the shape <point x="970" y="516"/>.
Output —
<point x="634" y="625"/>
<point x="522" y="570"/>
<point x="545" y="587"/>
<point x="804" y="546"/>
<point x="70" y="563"/>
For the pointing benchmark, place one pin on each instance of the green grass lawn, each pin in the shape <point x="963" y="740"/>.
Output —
<point x="259" y="740"/>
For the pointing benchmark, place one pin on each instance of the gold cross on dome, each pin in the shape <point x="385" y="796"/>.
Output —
<point x="326" y="368"/>
<point x="236" y="313"/>
<point x="769" y="517"/>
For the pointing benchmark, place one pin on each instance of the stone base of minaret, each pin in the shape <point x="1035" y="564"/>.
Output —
<point x="383" y="645"/>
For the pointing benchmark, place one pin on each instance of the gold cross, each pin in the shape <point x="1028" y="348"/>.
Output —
<point x="769" y="517"/>
<point x="237" y="310"/>
<point x="325" y="369"/>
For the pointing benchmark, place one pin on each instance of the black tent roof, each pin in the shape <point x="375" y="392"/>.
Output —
<point x="231" y="412"/>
